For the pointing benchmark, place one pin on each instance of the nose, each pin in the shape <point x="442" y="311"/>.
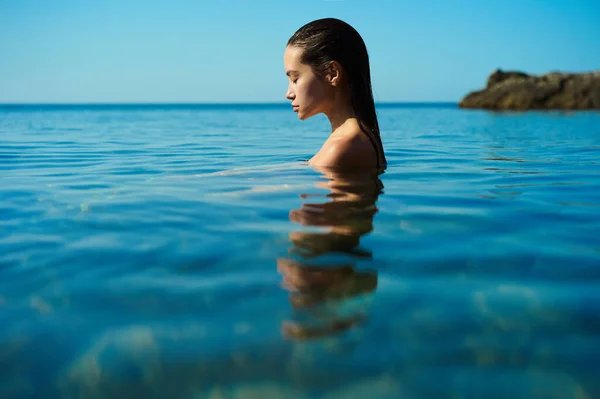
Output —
<point x="289" y="95"/>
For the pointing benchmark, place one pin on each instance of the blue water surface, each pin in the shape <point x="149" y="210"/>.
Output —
<point x="188" y="251"/>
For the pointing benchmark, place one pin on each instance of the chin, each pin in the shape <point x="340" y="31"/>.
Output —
<point x="303" y="115"/>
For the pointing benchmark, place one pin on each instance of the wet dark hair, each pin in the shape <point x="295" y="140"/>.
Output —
<point x="326" y="40"/>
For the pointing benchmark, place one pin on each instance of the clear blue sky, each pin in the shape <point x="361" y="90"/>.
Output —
<point x="232" y="50"/>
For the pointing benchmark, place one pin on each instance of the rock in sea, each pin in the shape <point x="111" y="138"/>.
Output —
<point x="512" y="90"/>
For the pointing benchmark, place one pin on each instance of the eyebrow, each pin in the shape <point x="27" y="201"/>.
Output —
<point x="288" y="73"/>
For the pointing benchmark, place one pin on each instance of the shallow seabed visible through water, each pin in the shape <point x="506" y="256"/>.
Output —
<point x="189" y="252"/>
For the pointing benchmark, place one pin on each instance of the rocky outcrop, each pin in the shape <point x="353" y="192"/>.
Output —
<point x="520" y="91"/>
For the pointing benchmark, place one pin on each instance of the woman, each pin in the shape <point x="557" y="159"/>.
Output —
<point x="327" y="64"/>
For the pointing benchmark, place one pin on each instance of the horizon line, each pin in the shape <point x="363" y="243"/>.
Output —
<point x="198" y="103"/>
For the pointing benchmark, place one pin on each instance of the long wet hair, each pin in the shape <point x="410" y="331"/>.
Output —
<point x="326" y="40"/>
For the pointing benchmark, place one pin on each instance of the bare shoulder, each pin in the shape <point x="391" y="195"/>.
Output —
<point x="345" y="152"/>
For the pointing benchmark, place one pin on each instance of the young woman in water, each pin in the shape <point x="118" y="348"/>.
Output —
<point x="327" y="64"/>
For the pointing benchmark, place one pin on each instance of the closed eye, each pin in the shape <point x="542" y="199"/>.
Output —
<point x="292" y="75"/>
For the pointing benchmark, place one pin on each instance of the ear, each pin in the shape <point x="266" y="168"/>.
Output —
<point x="334" y="73"/>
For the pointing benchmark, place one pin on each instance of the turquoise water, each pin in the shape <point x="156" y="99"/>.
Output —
<point x="189" y="252"/>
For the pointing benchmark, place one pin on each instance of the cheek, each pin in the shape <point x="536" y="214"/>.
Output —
<point x="312" y="92"/>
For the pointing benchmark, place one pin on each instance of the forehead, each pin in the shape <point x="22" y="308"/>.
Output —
<point x="291" y="58"/>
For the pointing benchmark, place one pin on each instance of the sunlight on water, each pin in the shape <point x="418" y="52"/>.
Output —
<point x="188" y="251"/>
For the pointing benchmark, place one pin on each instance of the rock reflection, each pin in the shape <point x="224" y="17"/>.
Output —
<point x="326" y="286"/>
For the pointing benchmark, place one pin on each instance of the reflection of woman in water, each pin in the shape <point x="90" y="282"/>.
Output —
<point x="327" y="64"/>
<point x="321" y="272"/>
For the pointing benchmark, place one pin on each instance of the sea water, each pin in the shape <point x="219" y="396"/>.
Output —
<point x="188" y="251"/>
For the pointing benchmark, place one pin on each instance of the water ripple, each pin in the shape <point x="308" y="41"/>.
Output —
<point x="175" y="251"/>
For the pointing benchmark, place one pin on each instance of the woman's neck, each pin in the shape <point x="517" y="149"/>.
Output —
<point x="340" y="112"/>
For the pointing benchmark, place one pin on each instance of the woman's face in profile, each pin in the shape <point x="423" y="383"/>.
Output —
<point x="309" y="93"/>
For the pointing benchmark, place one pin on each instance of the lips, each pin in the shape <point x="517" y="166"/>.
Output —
<point x="295" y="107"/>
